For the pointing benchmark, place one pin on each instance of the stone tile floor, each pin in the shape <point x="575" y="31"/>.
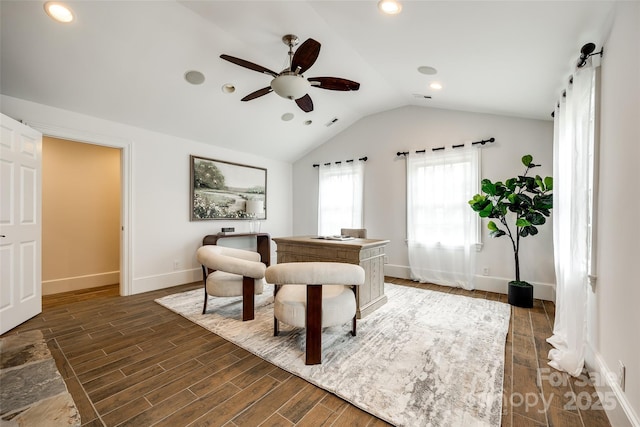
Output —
<point x="33" y="392"/>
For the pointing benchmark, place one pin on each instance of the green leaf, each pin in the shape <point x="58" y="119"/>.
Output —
<point x="527" y="159"/>
<point x="535" y="218"/>
<point x="497" y="233"/>
<point x="492" y="226"/>
<point x="543" y="202"/>
<point x="521" y="222"/>
<point x="488" y="187"/>
<point x="539" y="182"/>
<point x="478" y="202"/>
<point x="529" y="230"/>
<point x="484" y="213"/>
<point x="529" y="183"/>
<point x="501" y="189"/>
<point x="524" y="200"/>
<point x="548" y="183"/>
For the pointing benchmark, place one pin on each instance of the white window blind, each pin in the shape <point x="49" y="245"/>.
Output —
<point x="340" y="197"/>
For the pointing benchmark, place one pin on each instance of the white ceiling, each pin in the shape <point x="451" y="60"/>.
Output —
<point x="125" y="61"/>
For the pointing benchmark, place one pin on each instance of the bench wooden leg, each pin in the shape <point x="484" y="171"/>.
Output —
<point x="314" y="325"/>
<point x="248" y="296"/>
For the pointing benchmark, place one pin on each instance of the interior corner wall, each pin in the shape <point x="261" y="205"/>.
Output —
<point x="614" y="317"/>
<point x="80" y="215"/>
<point x="163" y="239"/>
<point x="381" y="136"/>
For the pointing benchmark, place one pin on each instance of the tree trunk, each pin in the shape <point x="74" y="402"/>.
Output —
<point x="517" y="266"/>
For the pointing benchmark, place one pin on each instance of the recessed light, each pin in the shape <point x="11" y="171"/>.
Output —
<point x="228" y="88"/>
<point x="427" y="70"/>
<point x="435" y="85"/>
<point x="194" y="77"/>
<point x="307" y="122"/>
<point x="286" y="117"/>
<point x="59" y="12"/>
<point x="390" y="7"/>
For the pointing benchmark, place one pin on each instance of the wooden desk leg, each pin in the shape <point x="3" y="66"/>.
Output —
<point x="314" y="325"/>
<point x="248" y="291"/>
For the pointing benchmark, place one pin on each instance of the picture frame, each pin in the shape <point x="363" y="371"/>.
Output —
<point x="226" y="190"/>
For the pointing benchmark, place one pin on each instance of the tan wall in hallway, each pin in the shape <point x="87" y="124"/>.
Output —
<point x="80" y="215"/>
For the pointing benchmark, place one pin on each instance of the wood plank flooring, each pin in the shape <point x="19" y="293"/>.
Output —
<point x="128" y="361"/>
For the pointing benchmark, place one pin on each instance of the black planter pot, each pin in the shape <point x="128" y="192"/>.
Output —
<point x="521" y="294"/>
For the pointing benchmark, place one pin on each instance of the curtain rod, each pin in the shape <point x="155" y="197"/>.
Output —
<point x="586" y="52"/>
<point x="481" y="142"/>
<point x="362" y="159"/>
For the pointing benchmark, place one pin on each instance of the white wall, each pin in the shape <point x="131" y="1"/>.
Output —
<point x="160" y="227"/>
<point x="380" y="136"/>
<point x="614" y="314"/>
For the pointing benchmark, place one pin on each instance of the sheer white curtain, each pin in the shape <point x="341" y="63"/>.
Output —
<point x="573" y="172"/>
<point x="340" y="197"/>
<point x="441" y="226"/>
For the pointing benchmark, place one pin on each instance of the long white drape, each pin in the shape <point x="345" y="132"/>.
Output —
<point x="340" y="197"/>
<point x="441" y="227"/>
<point x="573" y="140"/>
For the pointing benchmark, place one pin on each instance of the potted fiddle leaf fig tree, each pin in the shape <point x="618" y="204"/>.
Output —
<point x="516" y="207"/>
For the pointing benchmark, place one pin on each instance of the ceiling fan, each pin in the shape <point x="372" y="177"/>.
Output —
<point x="290" y="83"/>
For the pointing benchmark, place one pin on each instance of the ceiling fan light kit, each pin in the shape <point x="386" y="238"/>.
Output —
<point x="290" y="82"/>
<point x="290" y="86"/>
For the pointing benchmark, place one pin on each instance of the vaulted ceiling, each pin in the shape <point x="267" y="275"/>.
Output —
<point x="125" y="61"/>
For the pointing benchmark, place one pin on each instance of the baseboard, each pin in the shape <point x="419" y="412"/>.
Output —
<point x="614" y="400"/>
<point x="167" y="280"/>
<point x="399" y="271"/>
<point x="68" y="284"/>
<point x="544" y="291"/>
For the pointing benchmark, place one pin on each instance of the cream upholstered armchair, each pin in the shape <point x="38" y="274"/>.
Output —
<point x="231" y="272"/>
<point x="314" y="295"/>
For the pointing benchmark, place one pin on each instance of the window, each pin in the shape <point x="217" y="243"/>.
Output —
<point x="340" y="197"/>
<point x="442" y="230"/>
<point x="439" y="187"/>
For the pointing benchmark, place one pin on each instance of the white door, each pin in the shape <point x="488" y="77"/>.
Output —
<point x="20" y="223"/>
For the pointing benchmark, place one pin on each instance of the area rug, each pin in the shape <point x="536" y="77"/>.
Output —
<point x="425" y="358"/>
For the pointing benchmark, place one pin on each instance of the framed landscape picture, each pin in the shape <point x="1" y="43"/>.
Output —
<point x="225" y="190"/>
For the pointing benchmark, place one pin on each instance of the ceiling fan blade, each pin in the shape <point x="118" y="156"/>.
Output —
<point x="305" y="103"/>
<point x="334" y="83"/>
<point x="257" y="94"/>
<point x="249" y="65"/>
<point x="305" y="56"/>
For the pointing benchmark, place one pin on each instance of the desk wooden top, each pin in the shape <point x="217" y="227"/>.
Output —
<point x="315" y="241"/>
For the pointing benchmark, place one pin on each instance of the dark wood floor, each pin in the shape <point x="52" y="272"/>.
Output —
<point x="130" y="361"/>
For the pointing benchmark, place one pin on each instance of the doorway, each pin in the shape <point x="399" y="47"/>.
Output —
<point x="124" y="145"/>
<point x="81" y="206"/>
